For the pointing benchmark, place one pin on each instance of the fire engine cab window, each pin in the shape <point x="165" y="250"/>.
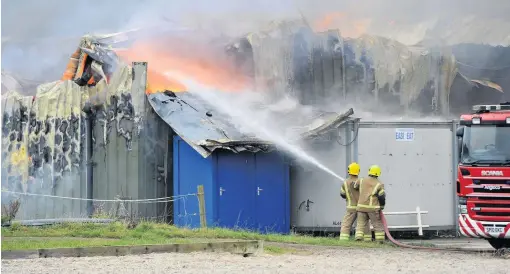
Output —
<point x="486" y="144"/>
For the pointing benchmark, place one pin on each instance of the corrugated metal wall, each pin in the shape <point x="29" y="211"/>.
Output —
<point x="320" y="68"/>
<point x="129" y="155"/>
<point x="327" y="68"/>
<point x="300" y="62"/>
<point x="43" y="143"/>
<point x="310" y="66"/>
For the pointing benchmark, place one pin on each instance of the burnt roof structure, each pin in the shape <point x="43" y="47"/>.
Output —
<point x="206" y="128"/>
<point x="319" y="67"/>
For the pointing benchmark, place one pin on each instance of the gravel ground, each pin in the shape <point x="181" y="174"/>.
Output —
<point x="317" y="260"/>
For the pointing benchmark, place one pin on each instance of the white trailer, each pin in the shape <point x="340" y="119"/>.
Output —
<point x="418" y="162"/>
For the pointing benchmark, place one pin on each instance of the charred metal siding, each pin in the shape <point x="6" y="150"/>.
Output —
<point x="44" y="139"/>
<point x="323" y="67"/>
<point x="327" y="67"/>
<point x="130" y="153"/>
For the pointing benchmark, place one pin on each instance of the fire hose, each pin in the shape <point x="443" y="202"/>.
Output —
<point x="399" y="244"/>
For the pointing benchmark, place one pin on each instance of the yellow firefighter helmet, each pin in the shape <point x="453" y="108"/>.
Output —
<point x="353" y="169"/>
<point x="374" y="170"/>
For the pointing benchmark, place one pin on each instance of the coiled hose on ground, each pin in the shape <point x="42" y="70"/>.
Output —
<point x="397" y="243"/>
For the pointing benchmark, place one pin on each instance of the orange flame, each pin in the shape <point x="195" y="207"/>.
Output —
<point x="193" y="60"/>
<point x="348" y="26"/>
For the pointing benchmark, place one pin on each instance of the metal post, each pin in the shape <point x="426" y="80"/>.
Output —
<point x="348" y="138"/>
<point x="88" y="159"/>
<point x="454" y="176"/>
<point x="169" y="176"/>
<point x="355" y="133"/>
<point x="344" y="88"/>
<point x="201" y="206"/>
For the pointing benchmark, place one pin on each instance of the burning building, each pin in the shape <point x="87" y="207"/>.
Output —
<point x="103" y="130"/>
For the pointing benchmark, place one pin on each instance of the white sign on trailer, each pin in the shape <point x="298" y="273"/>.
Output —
<point x="404" y="134"/>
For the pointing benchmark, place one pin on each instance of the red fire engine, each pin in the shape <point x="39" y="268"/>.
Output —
<point x="483" y="184"/>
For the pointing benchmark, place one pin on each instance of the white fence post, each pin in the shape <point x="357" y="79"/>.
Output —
<point x="418" y="213"/>
<point x="418" y="217"/>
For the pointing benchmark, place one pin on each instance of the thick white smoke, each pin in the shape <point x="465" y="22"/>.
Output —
<point x="39" y="36"/>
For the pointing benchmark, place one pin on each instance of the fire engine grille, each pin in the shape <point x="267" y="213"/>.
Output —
<point x="492" y="205"/>
<point x="499" y="214"/>
<point x="492" y="198"/>
<point x="483" y="207"/>
<point x="483" y="190"/>
<point x="491" y="182"/>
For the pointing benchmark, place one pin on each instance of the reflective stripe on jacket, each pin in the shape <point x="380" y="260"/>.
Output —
<point x="350" y="193"/>
<point x="370" y="189"/>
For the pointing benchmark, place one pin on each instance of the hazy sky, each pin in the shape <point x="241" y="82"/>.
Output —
<point x="40" y="34"/>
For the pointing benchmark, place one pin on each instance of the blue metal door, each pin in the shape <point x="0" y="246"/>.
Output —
<point x="235" y="183"/>
<point x="272" y="193"/>
<point x="190" y="170"/>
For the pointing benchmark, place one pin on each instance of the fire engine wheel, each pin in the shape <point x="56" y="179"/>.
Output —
<point x="499" y="243"/>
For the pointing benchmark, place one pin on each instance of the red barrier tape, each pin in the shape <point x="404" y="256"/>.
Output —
<point x="397" y="243"/>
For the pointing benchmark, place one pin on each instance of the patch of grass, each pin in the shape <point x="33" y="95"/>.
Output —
<point x="422" y="244"/>
<point x="34" y="243"/>
<point x="151" y="233"/>
<point x="274" y="250"/>
<point x="279" y="250"/>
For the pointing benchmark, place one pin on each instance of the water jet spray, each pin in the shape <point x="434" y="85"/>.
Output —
<point x="240" y="117"/>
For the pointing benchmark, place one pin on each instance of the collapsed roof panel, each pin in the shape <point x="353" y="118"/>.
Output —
<point x="197" y="123"/>
<point x="205" y="129"/>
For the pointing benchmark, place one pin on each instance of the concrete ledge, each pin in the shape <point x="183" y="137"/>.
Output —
<point x="236" y="247"/>
<point x="460" y="244"/>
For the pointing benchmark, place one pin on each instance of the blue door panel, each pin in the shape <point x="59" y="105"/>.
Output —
<point x="235" y="183"/>
<point x="190" y="170"/>
<point x="272" y="195"/>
